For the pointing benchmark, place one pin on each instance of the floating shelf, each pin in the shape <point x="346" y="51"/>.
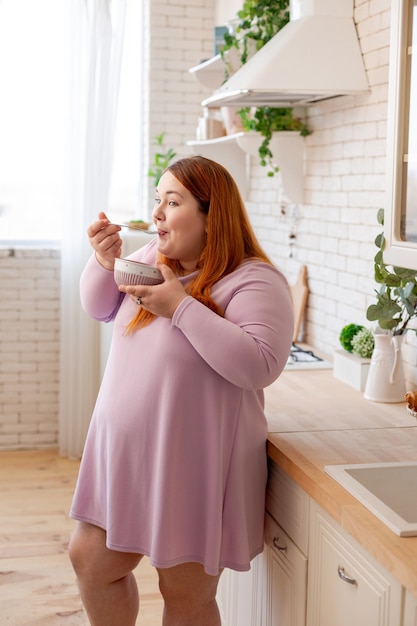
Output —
<point x="212" y="73"/>
<point x="226" y="151"/>
<point x="231" y="151"/>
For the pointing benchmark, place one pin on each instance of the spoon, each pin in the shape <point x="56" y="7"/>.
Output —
<point x="133" y="227"/>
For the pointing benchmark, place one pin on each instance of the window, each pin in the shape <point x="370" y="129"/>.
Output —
<point x="401" y="206"/>
<point x="34" y="113"/>
<point x="33" y="62"/>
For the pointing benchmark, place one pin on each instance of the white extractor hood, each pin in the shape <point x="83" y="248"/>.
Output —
<point x="316" y="56"/>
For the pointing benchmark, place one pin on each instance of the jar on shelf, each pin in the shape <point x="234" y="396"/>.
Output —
<point x="210" y="125"/>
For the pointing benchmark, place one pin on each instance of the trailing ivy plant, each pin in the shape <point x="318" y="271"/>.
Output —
<point x="397" y="297"/>
<point x="266" y="120"/>
<point x="257" y="23"/>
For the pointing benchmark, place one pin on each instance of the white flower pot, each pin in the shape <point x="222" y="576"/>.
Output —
<point x="386" y="382"/>
<point x="351" y="369"/>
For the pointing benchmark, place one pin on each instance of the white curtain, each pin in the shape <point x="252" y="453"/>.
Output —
<point x="96" y="50"/>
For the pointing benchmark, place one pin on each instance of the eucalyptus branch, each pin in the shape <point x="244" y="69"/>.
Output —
<point x="396" y="299"/>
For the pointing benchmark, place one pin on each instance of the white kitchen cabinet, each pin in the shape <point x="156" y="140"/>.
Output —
<point x="311" y="573"/>
<point x="273" y="593"/>
<point x="284" y="560"/>
<point x="410" y="610"/>
<point x="346" y="586"/>
<point x="289" y="505"/>
<point x="239" y="597"/>
<point x="284" y="573"/>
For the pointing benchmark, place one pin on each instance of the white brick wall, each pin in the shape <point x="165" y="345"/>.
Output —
<point x="181" y="36"/>
<point x="29" y="348"/>
<point x="344" y="188"/>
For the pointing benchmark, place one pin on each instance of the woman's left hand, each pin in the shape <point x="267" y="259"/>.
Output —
<point x="161" y="300"/>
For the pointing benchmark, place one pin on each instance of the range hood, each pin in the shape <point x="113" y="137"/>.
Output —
<point x="316" y="56"/>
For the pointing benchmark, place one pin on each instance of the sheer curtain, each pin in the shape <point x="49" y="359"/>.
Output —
<point x="97" y="29"/>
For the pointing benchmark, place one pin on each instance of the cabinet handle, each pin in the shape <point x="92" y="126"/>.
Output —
<point x="344" y="577"/>
<point x="275" y="543"/>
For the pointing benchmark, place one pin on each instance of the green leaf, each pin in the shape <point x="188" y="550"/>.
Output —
<point x="380" y="216"/>
<point x="379" y="241"/>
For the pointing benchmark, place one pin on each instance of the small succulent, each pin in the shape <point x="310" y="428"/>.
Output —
<point x="347" y="334"/>
<point x="363" y="343"/>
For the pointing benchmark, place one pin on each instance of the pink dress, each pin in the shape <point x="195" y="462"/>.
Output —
<point x="174" y="465"/>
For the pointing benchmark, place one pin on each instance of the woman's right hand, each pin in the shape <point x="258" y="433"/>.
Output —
<point x="106" y="241"/>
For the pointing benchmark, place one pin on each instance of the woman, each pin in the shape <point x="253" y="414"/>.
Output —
<point x="174" y="465"/>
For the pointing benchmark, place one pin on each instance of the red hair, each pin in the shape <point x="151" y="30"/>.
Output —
<point x="230" y="238"/>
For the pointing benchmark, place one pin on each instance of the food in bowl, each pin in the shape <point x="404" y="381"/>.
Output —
<point x="128" y="272"/>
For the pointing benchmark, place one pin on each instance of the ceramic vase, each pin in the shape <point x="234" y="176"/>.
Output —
<point x="386" y="382"/>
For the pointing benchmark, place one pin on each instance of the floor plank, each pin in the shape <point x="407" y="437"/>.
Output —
<point x="37" y="583"/>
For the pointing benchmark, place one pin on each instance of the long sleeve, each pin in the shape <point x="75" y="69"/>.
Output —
<point x="249" y="346"/>
<point x="100" y="296"/>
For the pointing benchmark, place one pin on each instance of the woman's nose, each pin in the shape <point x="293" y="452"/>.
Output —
<point x="157" y="212"/>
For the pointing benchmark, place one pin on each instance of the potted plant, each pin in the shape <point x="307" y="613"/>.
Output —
<point x="257" y="22"/>
<point x="351" y="365"/>
<point x="162" y="158"/>
<point x="267" y="120"/>
<point x="357" y="339"/>
<point x="396" y="299"/>
<point x="396" y="306"/>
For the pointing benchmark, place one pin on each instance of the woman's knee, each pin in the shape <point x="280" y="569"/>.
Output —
<point x="91" y="559"/>
<point x="80" y="547"/>
<point x="187" y="585"/>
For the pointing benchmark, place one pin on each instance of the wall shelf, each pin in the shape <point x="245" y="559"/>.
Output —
<point x="226" y="151"/>
<point x="232" y="151"/>
<point x="212" y="73"/>
<point x="209" y="73"/>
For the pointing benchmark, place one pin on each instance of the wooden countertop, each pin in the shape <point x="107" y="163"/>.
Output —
<point x="316" y="420"/>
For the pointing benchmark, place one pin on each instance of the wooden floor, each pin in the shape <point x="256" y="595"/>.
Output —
<point x="37" y="583"/>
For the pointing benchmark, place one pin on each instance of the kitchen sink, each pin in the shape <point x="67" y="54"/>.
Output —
<point x="388" y="490"/>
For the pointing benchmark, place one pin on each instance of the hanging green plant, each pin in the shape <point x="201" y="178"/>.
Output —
<point x="267" y="120"/>
<point x="257" y="23"/>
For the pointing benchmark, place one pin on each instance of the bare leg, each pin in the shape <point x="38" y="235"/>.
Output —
<point x="107" y="585"/>
<point x="189" y="595"/>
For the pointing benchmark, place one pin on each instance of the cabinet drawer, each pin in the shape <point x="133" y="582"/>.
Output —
<point x="285" y="588"/>
<point x="289" y="505"/>
<point x="346" y="585"/>
<point x="410" y="610"/>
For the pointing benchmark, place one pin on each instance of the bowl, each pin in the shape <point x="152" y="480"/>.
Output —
<point x="128" y="272"/>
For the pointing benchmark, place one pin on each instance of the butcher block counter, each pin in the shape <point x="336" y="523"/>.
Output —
<point x="316" y="420"/>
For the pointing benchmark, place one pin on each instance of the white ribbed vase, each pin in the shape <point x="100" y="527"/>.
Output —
<point x="386" y="382"/>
